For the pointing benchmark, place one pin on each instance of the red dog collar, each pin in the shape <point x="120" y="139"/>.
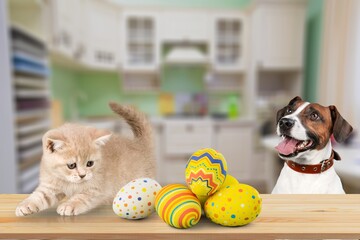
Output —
<point x="313" y="169"/>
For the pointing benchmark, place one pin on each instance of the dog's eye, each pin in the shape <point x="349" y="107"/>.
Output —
<point x="314" y="116"/>
<point x="288" y="110"/>
<point x="72" y="166"/>
<point x="90" y="163"/>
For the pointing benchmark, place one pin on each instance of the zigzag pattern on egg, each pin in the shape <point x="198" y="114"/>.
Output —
<point x="201" y="178"/>
<point x="209" y="156"/>
<point x="205" y="171"/>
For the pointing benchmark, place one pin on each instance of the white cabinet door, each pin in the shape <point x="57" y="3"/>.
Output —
<point x="184" y="138"/>
<point x="140" y="40"/>
<point x="102" y="42"/>
<point x="229" y="42"/>
<point x="281" y="36"/>
<point x="184" y="25"/>
<point x="236" y="144"/>
<point x="66" y="24"/>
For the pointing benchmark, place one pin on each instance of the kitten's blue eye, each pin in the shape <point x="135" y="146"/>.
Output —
<point x="72" y="166"/>
<point x="90" y="163"/>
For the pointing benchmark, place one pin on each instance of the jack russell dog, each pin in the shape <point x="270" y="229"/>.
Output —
<point x="306" y="129"/>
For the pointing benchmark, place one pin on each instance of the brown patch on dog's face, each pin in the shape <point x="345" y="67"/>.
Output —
<point x="294" y="104"/>
<point x="317" y="120"/>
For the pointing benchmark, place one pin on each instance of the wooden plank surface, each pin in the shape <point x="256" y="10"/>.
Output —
<point x="282" y="216"/>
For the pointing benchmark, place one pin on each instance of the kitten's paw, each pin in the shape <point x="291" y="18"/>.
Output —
<point x="71" y="209"/>
<point x="26" y="208"/>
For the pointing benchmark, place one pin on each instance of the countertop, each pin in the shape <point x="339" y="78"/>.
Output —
<point x="282" y="216"/>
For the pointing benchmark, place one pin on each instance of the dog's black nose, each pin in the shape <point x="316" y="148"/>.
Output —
<point x="286" y="123"/>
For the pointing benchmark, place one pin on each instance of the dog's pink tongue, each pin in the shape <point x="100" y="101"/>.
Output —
<point x="287" y="146"/>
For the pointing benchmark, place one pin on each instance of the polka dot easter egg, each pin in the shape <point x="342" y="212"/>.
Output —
<point x="178" y="206"/>
<point x="205" y="172"/>
<point x="230" y="180"/>
<point x="234" y="205"/>
<point x="136" y="199"/>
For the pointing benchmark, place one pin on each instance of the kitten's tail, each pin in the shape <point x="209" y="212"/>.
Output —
<point x="137" y="120"/>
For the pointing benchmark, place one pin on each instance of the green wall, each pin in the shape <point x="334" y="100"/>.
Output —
<point x="100" y="88"/>
<point x="64" y="88"/>
<point x="86" y="94"/>
<point x="183" y="79"/>
<point x="312" y="49"/>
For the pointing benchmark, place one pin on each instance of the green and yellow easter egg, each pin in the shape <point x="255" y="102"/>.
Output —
<point x="205" y="172"/>
<point x="178" y="206"/>
<point x="234" y="205"/>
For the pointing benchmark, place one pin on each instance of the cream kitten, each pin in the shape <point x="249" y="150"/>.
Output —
<point x="86" y="167"/>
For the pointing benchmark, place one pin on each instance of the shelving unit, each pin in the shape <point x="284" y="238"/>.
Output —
<point x="31" y="93"/>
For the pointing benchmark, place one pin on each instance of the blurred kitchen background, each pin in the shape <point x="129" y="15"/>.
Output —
<point x="208" y="73"/>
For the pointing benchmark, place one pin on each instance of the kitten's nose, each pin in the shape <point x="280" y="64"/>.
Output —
<point x="82" y="176"/>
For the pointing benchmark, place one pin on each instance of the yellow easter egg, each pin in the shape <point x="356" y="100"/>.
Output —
<point x="205" y="172"/>
<point x="234" y="205"/>
<point x="202" y="199"/>
<point x="178" y="206"/>
<point x="229" y="180"/>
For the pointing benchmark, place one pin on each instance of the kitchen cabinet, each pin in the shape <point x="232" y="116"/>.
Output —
<point x="186" y="137"/>
<point x="229" y="42"/>
<point x="184" y="26"/>
<point x="279" y="36"/>
<point x="140" y="41"/>
<point x="102" y="43"/>
<point x="66" y="23"/>
<point x="178" y="139"/>
<point x="87" y="32"/>
<point x="236" y="144"/>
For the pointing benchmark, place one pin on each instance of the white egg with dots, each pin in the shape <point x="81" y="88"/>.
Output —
<point x="136" y="199"/>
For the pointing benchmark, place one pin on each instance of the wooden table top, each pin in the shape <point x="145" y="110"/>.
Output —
<point x="282" y="216"/>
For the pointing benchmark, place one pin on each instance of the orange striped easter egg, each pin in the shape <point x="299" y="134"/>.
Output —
<point x="178" y="206"/>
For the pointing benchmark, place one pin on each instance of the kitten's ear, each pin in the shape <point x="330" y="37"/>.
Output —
<point x="101" y="137"/>
<point x="53" y="141"/>
<point x="101" y="141"/>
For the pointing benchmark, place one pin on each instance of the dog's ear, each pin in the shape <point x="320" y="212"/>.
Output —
<point x="341" y="128"/>
<point x="294" y="100"/>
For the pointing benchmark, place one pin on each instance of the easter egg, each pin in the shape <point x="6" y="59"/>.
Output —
<point x="205" y="172"/>
<point x="202" y="199"/>
<point x="234" y="205"/>
<point x="229" y="180"/>
<point x="136" y="199"/>
<point x="178" y="206"/>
